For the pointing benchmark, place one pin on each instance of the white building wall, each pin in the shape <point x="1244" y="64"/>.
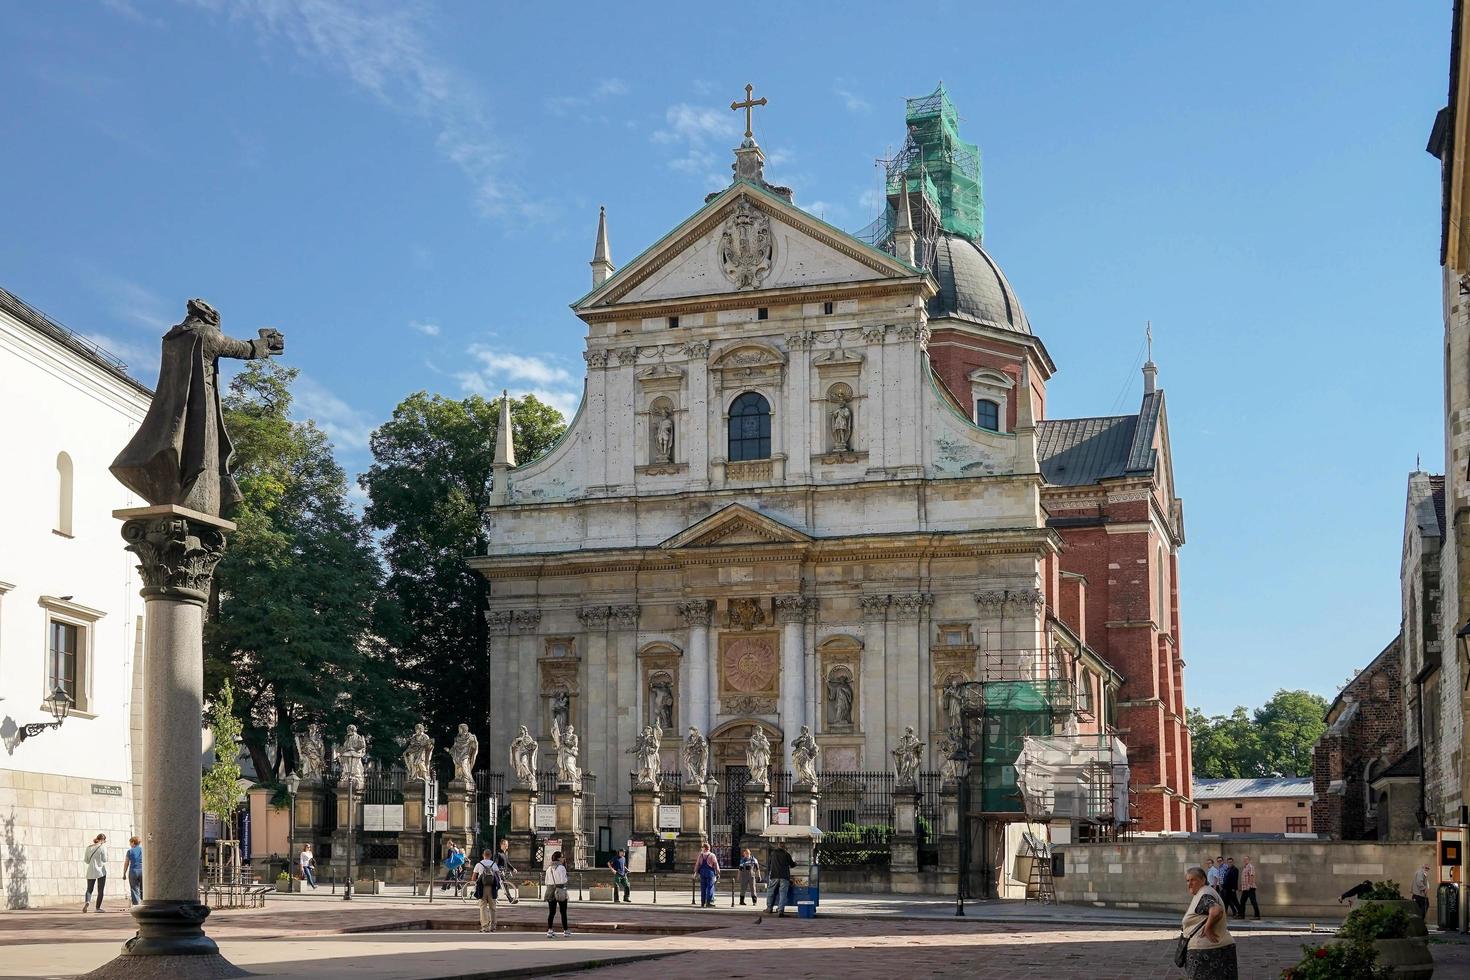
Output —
<point x="60" y="788"/>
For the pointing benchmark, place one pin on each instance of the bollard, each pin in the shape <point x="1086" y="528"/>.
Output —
<point x="655" y="889"/>
<point x="732" y="888"/>
<point x="693" y="890"/>
<point x="579" y="886"/>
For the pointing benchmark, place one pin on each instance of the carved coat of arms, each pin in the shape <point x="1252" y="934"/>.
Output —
<point x="746" y="247"/>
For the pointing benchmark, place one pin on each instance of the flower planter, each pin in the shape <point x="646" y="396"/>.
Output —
<point x="1408" y="958"/>
<point x="602" y="893"/>
<point x="287" y="885"/>
<point x="530" y="891"/>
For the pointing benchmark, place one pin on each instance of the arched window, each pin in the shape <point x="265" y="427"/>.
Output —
<point x="63" y="494"/>
<point x="987" y="414"/>
<point x="750" y="428"/>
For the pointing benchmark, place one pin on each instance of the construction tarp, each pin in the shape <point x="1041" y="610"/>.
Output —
<point x="1076" y="777"/>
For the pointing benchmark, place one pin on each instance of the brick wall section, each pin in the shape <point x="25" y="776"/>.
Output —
<point x="954" y="355"/>
<point x="1371" y="734"/>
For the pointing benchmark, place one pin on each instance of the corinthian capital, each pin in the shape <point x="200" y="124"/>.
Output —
<point x="874" y="606"/>
<point x="176" y="555"/>
<point x="911" y="604"/>
<point x="793" y="608"/>
<point x="526" y="620"/>
<point x="594" y="617"/>
<point x="695" y="612"/>
<point x="625" y="617"/>
<point x="498" y="620"/>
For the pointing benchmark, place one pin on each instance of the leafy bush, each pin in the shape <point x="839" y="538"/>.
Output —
<point x="1384" y="891"/>
<point x="926" y="830"/>
<point x="1338" y="961"/>
<point x="1369" y="922"/>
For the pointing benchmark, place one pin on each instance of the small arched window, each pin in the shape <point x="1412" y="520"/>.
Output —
<point x="987" y="414"/>
<point x="63" y="494"/>
<point x="750" y="428"/>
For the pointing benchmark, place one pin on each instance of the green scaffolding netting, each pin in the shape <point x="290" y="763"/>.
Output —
<point x="1013" y="710"/>
<point x="945" y="163"/>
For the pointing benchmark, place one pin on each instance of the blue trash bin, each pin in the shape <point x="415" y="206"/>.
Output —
<point x="806" y="910"/>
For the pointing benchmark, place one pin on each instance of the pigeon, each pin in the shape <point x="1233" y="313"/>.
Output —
<point x="757" y="920"/>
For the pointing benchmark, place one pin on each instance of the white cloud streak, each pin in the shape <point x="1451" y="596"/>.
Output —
<point x="495" y="370"/>
<point x="853" y="101"/>
<point x="691" y="130"/>
<point x="384" y="49"/>
<point x="425" y="327"/>
<point x="349" y="428"/>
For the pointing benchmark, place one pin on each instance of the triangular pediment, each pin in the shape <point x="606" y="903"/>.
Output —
<point x="733" y="525"/>
<point x="745" y="240"/>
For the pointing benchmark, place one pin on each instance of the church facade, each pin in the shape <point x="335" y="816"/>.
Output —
<point x="812" y="483"/>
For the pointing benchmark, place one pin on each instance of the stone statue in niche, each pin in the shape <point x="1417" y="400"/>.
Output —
<point x="839" y="698"/>
<point x="661" y="701"/>
<point x="561" y="710"/>
<point x="663" y="434"/>
<point x="181" y="453"/>
<point x="841" y="421"/>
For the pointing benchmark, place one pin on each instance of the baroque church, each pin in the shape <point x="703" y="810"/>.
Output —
<point x="812" y="482"/>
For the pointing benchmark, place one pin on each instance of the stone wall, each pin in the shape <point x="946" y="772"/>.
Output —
<point x="1364" y="736"/>
<point x="45" y="823"/>
<point x="1294" y="878"/>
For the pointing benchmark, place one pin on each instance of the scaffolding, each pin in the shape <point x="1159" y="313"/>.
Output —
<point x="1079" y="778"/>
<point x="943" y="176"/>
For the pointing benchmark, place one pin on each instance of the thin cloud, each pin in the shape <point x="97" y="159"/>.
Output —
<point x="137" y="305"/>
<point x="692" y="131"/>
<point x="495" y="370"/>
<point x="141" y="360"/>
<point x="425" y="327"/>
<point x="850" y="99"/>
<point x="601" y="91"/>
<point x="385" y="50"/>
<point x="349" y="428"/>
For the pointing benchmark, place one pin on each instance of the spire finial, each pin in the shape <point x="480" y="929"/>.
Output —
<point x="505" y="449"/>
<point x="905" y="242"/>
<point x="602" y="266"/>
<point x="1150" y="370"/>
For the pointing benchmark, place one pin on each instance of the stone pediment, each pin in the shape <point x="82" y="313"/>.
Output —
<point x="744" y="240"/>
<point x="735" y="525"/>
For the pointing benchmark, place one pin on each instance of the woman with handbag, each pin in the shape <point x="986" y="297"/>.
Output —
<point x="555" y="882"/>
<point x="1206" y="949"/>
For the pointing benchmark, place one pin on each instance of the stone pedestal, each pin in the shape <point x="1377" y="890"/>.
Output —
<point x="413" y="839"/>
<point x="804" y="800"/>
<point x="309" y="813"/>
<point x="903" y="847"/>
<point x="347" y="838"/>
<point x="522" y="827"/>
<point x="646" y="801"/>
<point x="177" y="550"/>
<point x="757" y="808"/>
<point x="949" y="827"/>
<point x="693" y="809"/>
<point x="461" y="815"/>
<point x="569" y="825"/>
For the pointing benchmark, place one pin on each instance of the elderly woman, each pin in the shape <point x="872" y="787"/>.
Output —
<point x="1211" y="951"/>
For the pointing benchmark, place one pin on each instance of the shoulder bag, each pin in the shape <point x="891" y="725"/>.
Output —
<point x="1181" y="951"/>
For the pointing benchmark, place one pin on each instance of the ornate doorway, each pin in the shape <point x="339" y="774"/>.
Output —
<point x="727" y="765"/>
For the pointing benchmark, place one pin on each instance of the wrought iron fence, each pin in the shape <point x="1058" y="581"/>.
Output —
<point x="858" y="847"/>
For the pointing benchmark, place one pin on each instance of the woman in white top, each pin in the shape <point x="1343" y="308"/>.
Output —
<point x="94" y="862"/>
<point x="1211" y="951"/>
<point x="555" y="883"/>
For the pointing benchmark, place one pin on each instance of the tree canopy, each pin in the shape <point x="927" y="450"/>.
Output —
<point x="1276" y="739"/>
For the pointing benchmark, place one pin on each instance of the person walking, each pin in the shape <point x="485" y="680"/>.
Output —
<point x="1230" y="887"/>
<point x="1212" y="871"/>
<point x="707" y="870"/>
<point x="778" y="892"/>
<point x="555" y="883"/>
<point x="1248" y="888"/>
<point x="308" y="866"/>
<point x="619" y="867"/>
<point x="94" y="863"/>
<point x="453" y="866"/>
<point x="750" y="874"/>
<point x="487" y="888"/>
<point x="502" y="859"/>
<point x="1210" y="949"/>
<point x="133" y="869"/>
<point x="1419" y="890"/>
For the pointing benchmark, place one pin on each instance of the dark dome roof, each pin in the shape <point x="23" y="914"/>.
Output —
<point x="971" y="286"/>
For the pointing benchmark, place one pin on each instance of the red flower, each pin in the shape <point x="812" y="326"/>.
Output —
<point x="1321" y="952"/>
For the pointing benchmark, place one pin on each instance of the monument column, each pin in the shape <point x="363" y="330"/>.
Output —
<point x="177" y="551"/>
<point x="702" y="679"/>
<point x="791" y="613"/>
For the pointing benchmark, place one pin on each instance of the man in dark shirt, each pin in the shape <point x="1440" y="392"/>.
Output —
<point x="502" y="860"/>
<point x="619" y="867"/>
<point x="778" y="865"/>
<point x="1230" y="887"/>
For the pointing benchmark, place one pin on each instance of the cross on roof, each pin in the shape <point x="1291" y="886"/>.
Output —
<point x="747" y="105"/>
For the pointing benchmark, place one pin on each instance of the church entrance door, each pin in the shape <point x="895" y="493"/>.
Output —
<point x="727" y="765"/>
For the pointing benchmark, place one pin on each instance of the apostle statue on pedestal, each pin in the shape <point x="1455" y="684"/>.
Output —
<point x="418" y="754"/>
<point x="523" y="749"/>
<point x="567" y="749"/>
<point x="696" y="758"/>
<point x="646" y="756"/>
<point x="464" y="751"/>
<point x="805" y="754"/>
<point x="906" y="758"/>
<point x="350" y="755"/>
<point x="758" y="758"/>
<point x="311" y="753"/>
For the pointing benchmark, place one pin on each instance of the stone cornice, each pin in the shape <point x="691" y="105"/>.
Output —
<point x="783" y="296"/>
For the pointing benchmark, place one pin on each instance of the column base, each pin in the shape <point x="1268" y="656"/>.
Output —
<point x="170" y="943"/>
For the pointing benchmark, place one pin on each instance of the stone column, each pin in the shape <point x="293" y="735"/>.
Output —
<point x="693" y="808"/>
<point x="800" y="423"/>
<point x="949" y="827"/>
<point x="791" y="613"/>
<point x="594" y="711"/>
<point x="177" y="551"/>
<point x="875" y="411"/>
<point x="702" y="679"/>
<point x="522" y="826"/>
<point x="804" y="800"/>
<point x="412" y="840"/>
<point x="569" y="825"/>
<point x="903" y="848"/>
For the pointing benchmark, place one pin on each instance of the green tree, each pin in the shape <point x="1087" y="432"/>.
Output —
<point x="1276" y="739"/>
<point x="429" y="491"/>
<point x="1290" y="723"/>
<point x="220" y="787"/>
<point x="296" y="592"/>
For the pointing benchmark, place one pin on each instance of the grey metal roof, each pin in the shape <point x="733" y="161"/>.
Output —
<point x="971" y="286"/>
<point x="1076" y="452"/>
<point x="43" y="324"/>
<point x="1236" y="789"/>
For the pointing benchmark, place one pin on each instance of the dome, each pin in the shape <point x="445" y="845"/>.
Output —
<point x="971" y="286"/>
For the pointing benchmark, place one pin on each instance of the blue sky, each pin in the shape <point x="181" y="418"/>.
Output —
<point x="409" y="192"/>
